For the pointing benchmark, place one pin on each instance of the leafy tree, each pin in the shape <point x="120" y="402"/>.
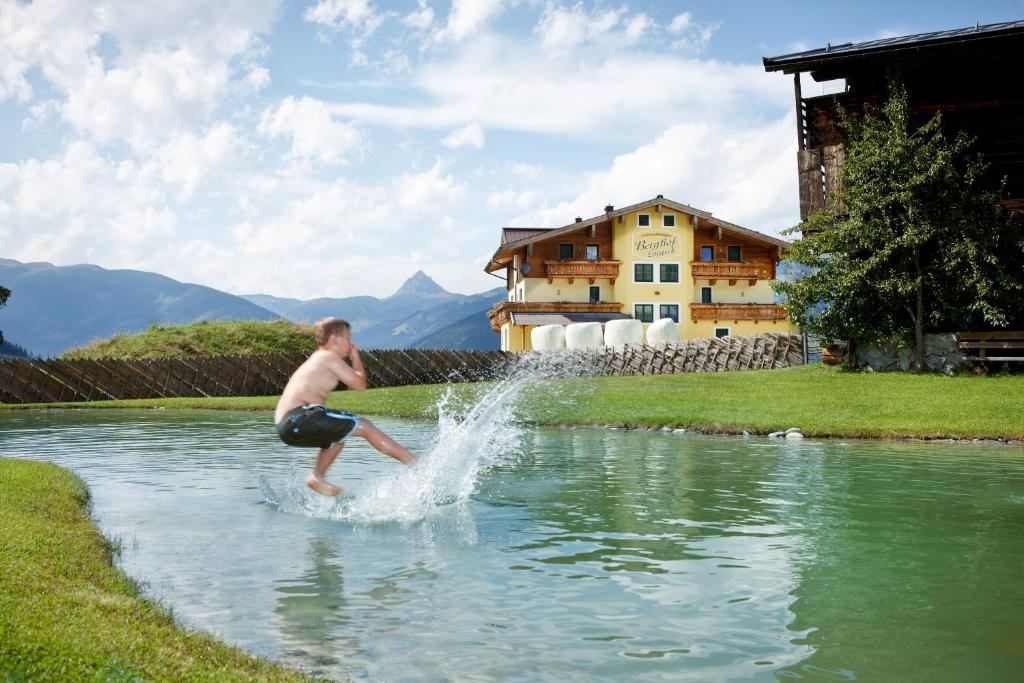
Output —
<point x="4" y="293"/>
<point x="914" y="241"/>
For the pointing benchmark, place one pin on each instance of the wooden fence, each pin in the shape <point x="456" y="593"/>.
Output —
<point x="760" y="352"/>
<point x="55" y="381"/>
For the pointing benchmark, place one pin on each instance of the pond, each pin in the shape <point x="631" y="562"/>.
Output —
<point x="582" y="554"/>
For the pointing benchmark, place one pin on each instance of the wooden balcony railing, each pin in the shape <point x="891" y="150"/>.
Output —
<point x="500" y="313"/>
<point x="729" y="270"/>
<point x="737" y="312"/>
<point x="582" y="269"/>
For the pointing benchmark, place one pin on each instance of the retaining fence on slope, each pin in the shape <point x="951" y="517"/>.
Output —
<point x="55" y="381"/>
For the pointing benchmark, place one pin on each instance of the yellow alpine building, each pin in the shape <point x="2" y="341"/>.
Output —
<point x="653" y="260"/>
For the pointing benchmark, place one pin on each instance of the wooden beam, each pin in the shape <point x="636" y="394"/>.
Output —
<point x="801" y="144"/>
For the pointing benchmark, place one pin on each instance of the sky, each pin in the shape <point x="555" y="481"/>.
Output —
<point x="331" y="148"/>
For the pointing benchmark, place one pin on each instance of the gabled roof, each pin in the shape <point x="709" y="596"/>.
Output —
<point x="813" y="59"/>
<point x="541" y="234"/>
<point x="516" y="234"/>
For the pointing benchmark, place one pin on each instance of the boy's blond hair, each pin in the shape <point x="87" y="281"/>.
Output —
<point x="325" y="328"/>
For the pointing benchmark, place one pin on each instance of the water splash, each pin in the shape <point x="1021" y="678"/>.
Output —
<point x="470" y="439"/>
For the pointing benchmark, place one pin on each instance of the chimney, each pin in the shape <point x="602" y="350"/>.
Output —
<point x="609" y="208"/>
<point x="661" y="196"/>
<point x="578" y="219"/>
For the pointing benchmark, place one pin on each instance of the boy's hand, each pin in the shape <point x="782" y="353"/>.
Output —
<point x="353" y="350"/>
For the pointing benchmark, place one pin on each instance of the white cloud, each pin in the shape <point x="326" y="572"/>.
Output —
<point x="422" y="18"/>
<point x="744" y="174"/>
<point x="133" y="71"/>
<point x="509" y="86"/>
<point x="470" y="135"/>
<point x="188" y="160"/>
<point x="345" y="14"/>
<point x="637" y="27"/>
<point x="561" y="29"/>
<point x="314" y="133"/>
<point x="680" y="22"/>
<point x="467" y="17"/>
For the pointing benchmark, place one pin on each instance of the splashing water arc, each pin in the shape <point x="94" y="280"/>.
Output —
<point x="469" y="440"/>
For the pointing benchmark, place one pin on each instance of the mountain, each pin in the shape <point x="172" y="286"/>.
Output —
<point x="419" y="308"/>
<point x="472" y="332"/>
<point x="56" y="308"/>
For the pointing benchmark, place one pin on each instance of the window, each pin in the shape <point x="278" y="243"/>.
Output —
<point x="643" y="220"/>
<point x="668" y="220"/>
<point x="721" y="332"/>
<point x="705" y="295"/>
<point x="707" y="253"/>
<point x="669" y="311"/>
<point x="643" y="272"/>
<point x="564" y="252"/>
<point x="644" y="312"/>
<point x="595" y="294"/>
<point x="591" y="252"/>
<point x="735" y="253"/>
<point x="668" y="272"/>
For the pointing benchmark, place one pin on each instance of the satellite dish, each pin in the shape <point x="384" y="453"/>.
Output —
<point x="525" y="269"/>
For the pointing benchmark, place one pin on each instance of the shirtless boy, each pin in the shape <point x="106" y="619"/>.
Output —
<point x="303" y="420"/>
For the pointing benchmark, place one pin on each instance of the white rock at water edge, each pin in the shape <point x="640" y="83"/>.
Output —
<point x="794" y="435"/>
<point x="792" y="430"/>
<point x="776" y="435"/>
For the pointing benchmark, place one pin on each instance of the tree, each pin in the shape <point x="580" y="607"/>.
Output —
<point x="4" y="293"/>
<point x="913" y="242"/>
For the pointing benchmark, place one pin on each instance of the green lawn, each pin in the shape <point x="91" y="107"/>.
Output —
<point x="822" y="401"/>
<point x="66" y="614"/>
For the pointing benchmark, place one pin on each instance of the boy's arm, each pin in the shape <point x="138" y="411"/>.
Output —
<point x="352" y="376"/>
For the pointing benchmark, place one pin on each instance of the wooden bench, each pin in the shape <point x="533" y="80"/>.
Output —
<point x="982" y="348"/>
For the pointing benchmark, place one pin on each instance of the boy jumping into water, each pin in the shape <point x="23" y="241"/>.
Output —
<point x="303" y="420"/>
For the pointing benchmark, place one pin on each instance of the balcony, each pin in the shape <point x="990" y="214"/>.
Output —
<point x="729" y="270"/>
<point x="502" y="312"/>
<point x="737" y="312"/>
<point x="591" y="270"/>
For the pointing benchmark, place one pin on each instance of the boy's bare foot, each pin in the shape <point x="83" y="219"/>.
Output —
<point x="322" y="486"/>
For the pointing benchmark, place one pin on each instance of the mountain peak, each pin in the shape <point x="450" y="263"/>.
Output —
<point x="419" y="284"/>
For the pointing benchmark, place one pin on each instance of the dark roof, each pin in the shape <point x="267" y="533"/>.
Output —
<point x="813" y="59"/>
<point x="528" y="318"/>
<point x="516" y="234"/>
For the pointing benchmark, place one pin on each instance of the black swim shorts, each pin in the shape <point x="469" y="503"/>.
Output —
<point x="315" y="425"/>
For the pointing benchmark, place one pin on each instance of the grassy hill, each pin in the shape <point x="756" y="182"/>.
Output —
<point x="206" y="338"/>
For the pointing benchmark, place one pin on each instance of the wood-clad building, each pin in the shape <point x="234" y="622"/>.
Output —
<point x="653" y="260"/>
<point x="971" y="75"/>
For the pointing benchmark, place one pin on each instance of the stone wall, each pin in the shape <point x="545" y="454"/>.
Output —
<point x="942" y="354"/>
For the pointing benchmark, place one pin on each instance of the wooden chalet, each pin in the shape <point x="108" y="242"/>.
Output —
<point x="967" y="74"/>
<point x="653" y="260"/>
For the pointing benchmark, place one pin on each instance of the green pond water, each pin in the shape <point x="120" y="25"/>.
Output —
<point x="580" y="555"/>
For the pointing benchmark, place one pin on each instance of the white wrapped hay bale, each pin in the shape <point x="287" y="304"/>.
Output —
<point x="618" y="333"/>
<point x="547" y="337"/>
<point x="584" y="336"/>
<point x="664" y="331"/>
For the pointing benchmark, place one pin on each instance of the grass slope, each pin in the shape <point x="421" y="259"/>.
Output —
<point x="822" y="401"/>
<point x="66" y="614"/>
<point x="205" y="338"/>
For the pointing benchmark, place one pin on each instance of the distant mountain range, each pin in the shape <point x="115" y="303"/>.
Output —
<point x="56" y="308"/>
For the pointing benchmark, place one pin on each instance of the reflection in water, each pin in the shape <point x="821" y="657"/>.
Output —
<point x="594" y="555"/>
<point x="309" y="611"/>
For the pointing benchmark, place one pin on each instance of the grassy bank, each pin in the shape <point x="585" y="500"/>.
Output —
<point x="204" y="338"/>
<point x="822" y="401"/>
<point x="66" y="614"/>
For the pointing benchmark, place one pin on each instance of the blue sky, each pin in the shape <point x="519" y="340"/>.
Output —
<point x="334" y="147"/>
